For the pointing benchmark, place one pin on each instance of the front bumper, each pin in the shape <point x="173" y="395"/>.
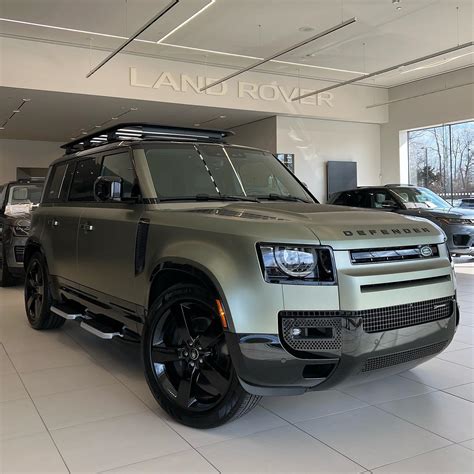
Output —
<point x="265" y="367"/>
<point x="15" y="249"/>
<point x="460" y="239"/>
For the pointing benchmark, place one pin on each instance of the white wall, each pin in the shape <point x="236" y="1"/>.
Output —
<point x="314" y="142"/>
<point x="259" y="134"/>
<point x="450" y="105"/>
<point x="28" y="153"/>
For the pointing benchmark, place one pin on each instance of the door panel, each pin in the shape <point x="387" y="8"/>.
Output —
<point x="106" y="249"/>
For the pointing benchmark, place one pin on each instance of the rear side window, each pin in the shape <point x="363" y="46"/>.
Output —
<point x="55" y="183"/>
<point x="349" y="198"/>
<point x="82" y="187"/>
<point x="120" y="165"/>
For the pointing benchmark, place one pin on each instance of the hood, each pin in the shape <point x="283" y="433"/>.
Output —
<point x="337" y="226"/>
<point x="440" y="213"/>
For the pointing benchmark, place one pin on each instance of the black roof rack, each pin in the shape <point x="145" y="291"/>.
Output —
<point x="144" y="131"/>
<point x="389" y="185"/>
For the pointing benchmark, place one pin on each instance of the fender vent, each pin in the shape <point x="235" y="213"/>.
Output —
<point x="376" y="363"/>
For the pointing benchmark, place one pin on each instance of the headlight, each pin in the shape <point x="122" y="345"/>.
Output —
<point x="21" y="228"/>
<point x="297" y="264"/>
<point x="455" y="220"/>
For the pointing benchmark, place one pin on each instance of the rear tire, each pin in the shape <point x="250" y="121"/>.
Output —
<point x="187" y="364"/>
<point x="38" y="299"/>
<point x="6" y="278"/>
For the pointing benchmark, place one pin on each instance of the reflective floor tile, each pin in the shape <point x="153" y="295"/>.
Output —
<point x="19" y="418"/>
<point x="463" y="357"/>
<point x="438" y="412"/>
<point x="452" y="459"/>
<point x="186" y="462"/>
<point x="386" y="389"/>
<point x="311" y="405"/>
<point x="11" y="388"/>
<point x="36" y="453"/>
<point x="284" y="449"/>
<point x="440" y="374"/>
<point x="463" y="391"/>
<point x="259" y="419"/>
<point x="82" y="406"/>
<point x="65" y="379"/>
<point x="372" y="437"/>
<point x="119" y="441"/>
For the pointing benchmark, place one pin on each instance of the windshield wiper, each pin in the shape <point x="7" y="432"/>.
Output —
<point x="207" y="197"/>
<point x="282" y="197"/>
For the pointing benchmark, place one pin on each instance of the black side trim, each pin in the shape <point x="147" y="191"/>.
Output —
<point x="140" y="245"/>
<point x="404" y="284"/>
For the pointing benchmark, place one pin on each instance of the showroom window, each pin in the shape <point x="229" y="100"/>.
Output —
<point x="441" y="158"/>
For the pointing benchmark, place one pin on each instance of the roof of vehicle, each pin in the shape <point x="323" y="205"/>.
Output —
<point x="25" y="181"/>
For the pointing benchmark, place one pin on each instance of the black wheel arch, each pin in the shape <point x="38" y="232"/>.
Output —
<point x="169" y="272"/>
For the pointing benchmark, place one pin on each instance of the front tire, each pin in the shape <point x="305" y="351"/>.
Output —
<point x="187" y="362"/>
<point x="38" y="296"/>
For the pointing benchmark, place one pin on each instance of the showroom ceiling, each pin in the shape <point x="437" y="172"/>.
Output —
<point x="236" y="32"/>
<point x="57" y="116"/>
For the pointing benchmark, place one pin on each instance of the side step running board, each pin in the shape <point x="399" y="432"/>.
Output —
<point x="100" y="330"/>
<point x="67" y="313"/>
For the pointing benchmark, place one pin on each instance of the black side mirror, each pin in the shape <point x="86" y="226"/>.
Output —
<point x="108" y="188"/>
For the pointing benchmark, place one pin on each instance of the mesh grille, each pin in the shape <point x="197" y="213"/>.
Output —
<point x="390" y="317"/>
<point x="312" y="344"/>
<point x="19" y="253"/>
<point x="401" y="316"/>
<point x="376" y="363"/>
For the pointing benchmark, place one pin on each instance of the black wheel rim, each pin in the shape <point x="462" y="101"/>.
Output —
<point x="189" y="355"/>
<point x="34" y="290"/>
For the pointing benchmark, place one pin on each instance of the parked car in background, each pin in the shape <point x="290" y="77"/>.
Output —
<point x="457" y="223"/>
<point x="466" y="203"/>
<point x="17" y="199"/>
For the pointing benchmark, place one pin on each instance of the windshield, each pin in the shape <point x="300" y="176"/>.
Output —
<point x="183" y="171"/>
<point x="420" y="198"/>
<point x="22" y="197"/>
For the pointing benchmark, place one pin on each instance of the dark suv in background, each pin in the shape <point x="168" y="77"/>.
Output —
<point x="17" y="199"/>
<point x="457" y="223"/>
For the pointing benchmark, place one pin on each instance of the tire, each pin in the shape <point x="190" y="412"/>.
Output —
<point x="184" y="343"/>
<point x="38" y="296"/>
<point x="6" y="278"/>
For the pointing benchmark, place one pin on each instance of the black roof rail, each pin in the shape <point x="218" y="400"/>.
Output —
<point x="144" y="131"/>
<point x="399" y="184"/>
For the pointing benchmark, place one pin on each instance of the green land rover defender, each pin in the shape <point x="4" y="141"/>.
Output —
<point x="235" y="280"/>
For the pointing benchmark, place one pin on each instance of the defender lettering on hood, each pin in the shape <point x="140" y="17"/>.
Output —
<point x="412" y="230"/>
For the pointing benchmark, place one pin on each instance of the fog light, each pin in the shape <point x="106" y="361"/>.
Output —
<point x="296" y="332"/>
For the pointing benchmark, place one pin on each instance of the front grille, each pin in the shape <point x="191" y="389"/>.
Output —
<point x="406" y="315"/>
<point x="387" y="318"/>
<point x="317" y="334"/>
<point x="389" y="360"/>
<point x="393" y="254"/>
<point x="19" y="253"/>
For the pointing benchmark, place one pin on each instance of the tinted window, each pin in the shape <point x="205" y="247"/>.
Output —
<point x="178" y="171"/>
<point x="378" y="199"/>
<point x="350" y="198"/>
<point x="82" y="188"/>
<point x="55" y="183"/>
<point x="120" y="165"/>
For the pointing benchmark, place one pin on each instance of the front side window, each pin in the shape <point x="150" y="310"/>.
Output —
<point x="420" y="198"/>
<point x="181" y="171"/>
<point x="82" y="187"/>
<point x="120" y="165"/>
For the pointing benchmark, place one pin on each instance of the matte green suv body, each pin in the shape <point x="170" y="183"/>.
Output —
<point x="236" y="281"/>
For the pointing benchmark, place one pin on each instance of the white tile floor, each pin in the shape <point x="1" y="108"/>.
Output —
<point x="72" y="403"/>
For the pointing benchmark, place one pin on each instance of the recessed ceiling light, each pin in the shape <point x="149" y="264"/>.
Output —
<point x="222" y="116"/>
<point x="197" y="124"/>
<point x="16" y="111"/>
<point x="306" y="29"/>
<point x="114" y="118"/>
<point x="2" y="128"/>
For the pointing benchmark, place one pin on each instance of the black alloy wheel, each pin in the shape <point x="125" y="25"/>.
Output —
<point x="187" y="362"/>
<point x="37" y="296"/>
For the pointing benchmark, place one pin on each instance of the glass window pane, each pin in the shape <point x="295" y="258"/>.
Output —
<point x="120" y="165"/>
<point x="55" y="183"/>
<point x="82" y="188"/>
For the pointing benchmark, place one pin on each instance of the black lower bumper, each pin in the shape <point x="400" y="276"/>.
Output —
<point x="265" y="367"/>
